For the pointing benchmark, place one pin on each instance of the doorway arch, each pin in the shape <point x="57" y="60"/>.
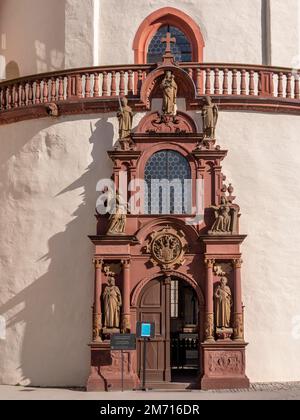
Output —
<point x="175" y="306"/>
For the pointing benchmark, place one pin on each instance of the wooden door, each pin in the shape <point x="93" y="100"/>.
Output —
<point x="154" y="307"/>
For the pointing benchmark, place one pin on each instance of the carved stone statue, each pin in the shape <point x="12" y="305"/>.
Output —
<point x="117" y="219"/>
<point x="223" y="304"/>
<point x="112" y="300"/>
<point x="210" y="115"/>
<point x="169" y="88"/>
<point x="125" y="117"/>
<point x="223" y="217"/>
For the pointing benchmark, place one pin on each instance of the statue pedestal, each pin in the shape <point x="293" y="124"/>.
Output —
<point x="106" y="369"/>
<point x="224" y="365"/>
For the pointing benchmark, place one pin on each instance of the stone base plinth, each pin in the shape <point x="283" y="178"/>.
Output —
<point x="224" y="365"/>
<point x="106" y="369"/>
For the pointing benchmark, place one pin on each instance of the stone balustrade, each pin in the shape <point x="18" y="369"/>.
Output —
<point x="234" y="81"/>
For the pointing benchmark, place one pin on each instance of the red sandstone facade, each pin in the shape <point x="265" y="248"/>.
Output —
<point x="145" y="286"/>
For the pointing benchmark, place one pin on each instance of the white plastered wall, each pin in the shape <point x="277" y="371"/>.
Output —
<point x="48" y="176"/>
<point x="285" y="33"/>
<point x="32" y="35"/>
<point x="231" y="28"/>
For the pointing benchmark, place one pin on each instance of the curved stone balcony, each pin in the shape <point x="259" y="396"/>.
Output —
<point x="97" y="89"/>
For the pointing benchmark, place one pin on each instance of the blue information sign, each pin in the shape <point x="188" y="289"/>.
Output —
<point x="145" y="330"/>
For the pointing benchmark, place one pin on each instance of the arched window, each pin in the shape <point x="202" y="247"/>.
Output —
<point x="147" y="43"/>
<point x="168" y="180"/>
<point x="182" y="49"/>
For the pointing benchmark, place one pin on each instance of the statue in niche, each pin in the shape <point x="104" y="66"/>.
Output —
<point x="223" y="300"/>
<point x="125" y="117"/>
<point x="118" y="211"/>
<point x="112" y="301"/>
<point x="169" y="88"/>
<point x="223" y="217"/>
<point x="210" y="115"/>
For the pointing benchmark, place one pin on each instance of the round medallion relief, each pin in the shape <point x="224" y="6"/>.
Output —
<point x="166" y="248"/>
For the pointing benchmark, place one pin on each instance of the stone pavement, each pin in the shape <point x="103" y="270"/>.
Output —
<point x="285" y="391"/>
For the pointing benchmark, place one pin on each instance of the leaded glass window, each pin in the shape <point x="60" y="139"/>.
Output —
<point x="182" y="50"/>
<point x="168" y="181"/>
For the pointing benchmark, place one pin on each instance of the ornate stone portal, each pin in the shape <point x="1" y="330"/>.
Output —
<point x="152" y="250"/>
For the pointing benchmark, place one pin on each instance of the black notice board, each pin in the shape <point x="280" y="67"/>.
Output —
<point x="123" y="342"/>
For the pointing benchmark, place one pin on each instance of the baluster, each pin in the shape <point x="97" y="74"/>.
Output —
<point x="1" y="98"/>
<point x="104" y="84"/>
<point x="37" y="92"/>
<point x="87" y="85"/>
<point x="243" y="82"/>
<point x="96" y="85"/>
<point x="199" y="81"/>
<point x="190" y="72"/>
<point x="122" y="83"/>
<point x="280" y="85"/>
<point x="251" y="84"/>
<point x="23" y="93"/>
<point x="234" y="82"/>
<point x="30" y="93"/>
<point x="217" y="82"/>
<point x="61" y="89"/>
<point x="113" y="84"/>
<point x="16" y="95"/>
<point x="53" y="89"/>
<point x="297" y="90"/>
<point x="45" y="91"/>
<point x="79" y="86"/>
<point x="207" y="83"/>
<point x="4" y="98"/>
<point x="225" y="82"/>
<point x="130" y="82"/>
<point x="289" y="86"/>
<point x="140" y="81"/>
<point x="9" y="97"/>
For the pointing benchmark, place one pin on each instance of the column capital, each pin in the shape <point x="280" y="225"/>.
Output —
<point x="209" y="262"/>
<point x="125" y="263"/>
<point x="98" y="262"/>
<point x="237" y="263"/>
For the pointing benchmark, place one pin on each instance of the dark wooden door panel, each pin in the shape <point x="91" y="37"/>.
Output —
<point x="154" y="307"/>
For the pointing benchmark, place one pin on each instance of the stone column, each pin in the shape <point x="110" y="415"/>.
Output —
<point x="238" y="324"/>
<point x="126" y="324"/>
<point x="97" y="313"/>
<point x="209" y="297"/>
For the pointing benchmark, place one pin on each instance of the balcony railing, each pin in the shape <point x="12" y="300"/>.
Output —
<point x="225" y="80"/>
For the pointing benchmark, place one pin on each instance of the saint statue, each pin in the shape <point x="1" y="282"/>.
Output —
<point x="112" y="300"/>
<point x="169" y="88"/>
<point x="223" y="217"/>
<point x="210" y="115"/>
<point x="125" y="117"/>
<point x="118" y="211"/>
<point x="223" y="304"/>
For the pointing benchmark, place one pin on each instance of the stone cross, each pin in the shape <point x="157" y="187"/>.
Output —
<point x="168" y="40"/>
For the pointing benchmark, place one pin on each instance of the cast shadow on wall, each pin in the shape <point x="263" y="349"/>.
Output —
<point x="57" y="306"/>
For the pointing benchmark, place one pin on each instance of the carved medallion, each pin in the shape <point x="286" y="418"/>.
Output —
<point x="167" y="248"/>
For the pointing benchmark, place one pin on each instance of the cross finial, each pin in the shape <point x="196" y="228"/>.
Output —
<point x="168" y="40"/>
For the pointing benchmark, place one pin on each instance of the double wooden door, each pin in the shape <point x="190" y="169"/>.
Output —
<point x="154" y="306"/>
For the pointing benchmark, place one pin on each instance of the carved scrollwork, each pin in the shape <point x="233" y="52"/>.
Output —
<point x="223" y="363"/>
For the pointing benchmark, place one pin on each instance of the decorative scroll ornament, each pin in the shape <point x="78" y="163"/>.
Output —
<point x="167" y="248"/>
